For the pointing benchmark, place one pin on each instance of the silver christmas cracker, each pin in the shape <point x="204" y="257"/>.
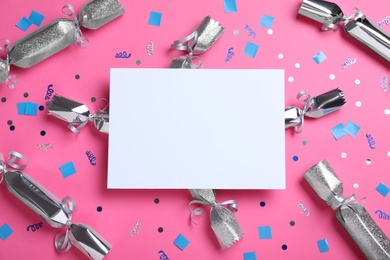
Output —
<point x="349" y="212"/>
<point x="198" y="42"/>
<point x="223" y="222"/>
<point x="356" y="25"/>
<point x="97" y="13"/>
<point x="315" y="107"/>
<point x="77" y="114"/>
<point x="55" y="212"/>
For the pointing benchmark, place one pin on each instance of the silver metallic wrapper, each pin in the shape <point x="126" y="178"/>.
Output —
<point x="356" y="25"/>
<point x="223" y="221"/>
<point x="4" y="70"/>
<point x="43" y="43"/>
<point x="50" y="208"/>
<point x="352" y="216"/>
<point x="201" y="40"/>
<point x="97" y="13"/>
<point x="315" y="107"/>
<point x="77" y="114"/>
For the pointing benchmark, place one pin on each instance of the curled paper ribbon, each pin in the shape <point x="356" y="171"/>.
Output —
<point x="77" y="114"/>
<point x="55" y="212"/>
<point x="349" y="212"/>
<point x="356" y="25"/>
<point x="315" y="107"/>
<point x="223" y="221"/>
<point x="198" y="42"/>
<point x="10" y="80"/>
<point x="81" y="41"/>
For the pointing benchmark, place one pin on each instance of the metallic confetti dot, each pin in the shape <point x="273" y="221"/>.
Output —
<point x="358" y="103"/>
<point x="156" y="200"/>
<point x="43" y="133"/>
<point x="297" y="65"/>
<point x="343" y="155"/>
<point x="304" y="142"/>
<point x="160" y="229"/>
<point x="77" y="76"/>
<point x="292" y="223"/>
<point x="12" y="128"/>
<point x="269" y="31"/>
<point x="368" y="161"/>
<point x="332" y="76"/>
<point x="99" y="209"/>
<point x="356" y="185"/>
<point x="295" y="158"/>
<point x="387" y="111"/>
<point x="41" y="108"/>
<point x="138" y="62"/>
<point x="284" y="247"/>
<point x="290" y="79"/>
<point x="262" y="204"/>
<point x="357" y="81"/>
<point x="236" y="32"/>
<point x="25" y="95"/>
<point x="9" y="122"/>
<point x="3" y="99"/>
<point x="280" y="56"/>
<point x="93" y="99"/>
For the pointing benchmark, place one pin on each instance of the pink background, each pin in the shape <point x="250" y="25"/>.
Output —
<point x="297" y="38"/>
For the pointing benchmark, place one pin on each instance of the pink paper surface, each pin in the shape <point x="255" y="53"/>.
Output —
<point x="296" y="38"/>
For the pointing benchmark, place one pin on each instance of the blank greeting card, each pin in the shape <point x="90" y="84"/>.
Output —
<point x="198" y="129"/>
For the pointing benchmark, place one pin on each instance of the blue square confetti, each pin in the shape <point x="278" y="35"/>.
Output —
<point x="338" y="131"/>
<point x="265" y="232"/>
<point x="250" y="256"/>
<point x="266" y="21"/>
<point x="383" y="189"/>
<point x="5" y="231"/>
<point x="351" y="128"/>
<point x="155" y="18"/>
<point x="67" y="169"/>
<point x="181" y="242"/>
<point x="319" y="57"/>
<point x="24" y="24"/>
<point x="21" y="107"/>
<point x="251" y="49"/>
<point x="31" y="109"/>
<point x="230" y="6"/>
<point x="36" y="18"/>
<point x="323" y="245"/>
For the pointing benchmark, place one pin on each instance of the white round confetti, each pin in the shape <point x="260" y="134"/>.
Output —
<point x="356" y="185"/>
<point x="297" y="65"/>
<point x="358" y="103"/>
<point x="388" y="153"/>
<point x="344" y="155"/>
<point x="357" y="81"/>
<point x="236" y="32"/>
<point x="270" y="31"/>
<point x="368" y="161"/>
<point x="332" y="76"/>
<point x="280" y="56"/>
<point x="387" y="111"/>
<point x="290" y="79"/>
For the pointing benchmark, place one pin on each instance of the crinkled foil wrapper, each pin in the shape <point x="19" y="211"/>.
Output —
<point x="223" y="221"/>
<point x="43" y="43"/>
<point x="50" y="208"/>
<point x="352" y="216"/>
<point x="4" y="70"/>
<point x="97" y="13"/>
<point x="358" y="26"/>
<point x="76" y="113"/>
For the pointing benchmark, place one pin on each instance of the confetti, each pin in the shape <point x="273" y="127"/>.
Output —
<point x="24" y="24"/>
<point x="99" y="209"/>
<point x="358" y="103"/>
<point x="236" y="32"/>
<point x="332" y="76"/>
<point x="35" y="227"/>
<point x="34" y="18"/>
<point x="357" y="81"/>
<point x="319" y="57"/>
<point x="280" y="56"/>
<point x="5" y="231"/>
<point x="266" y="21"/>
<point x="67" y="169"/>
<point x="150" y="48"/>
<point x="181" y="242"/>
<point x="297" y="65"/>
<point x="160" y="229"/>
<point x="292" y="223"/>
<point x="371" y="141"/>
<point x="284" y="247"/>
<point x="44" y="147"/>
<point x="251" y="49"/>
<point x="382" y="215"/>
<point x="351" y="128"/>
<point x="337" y="131"/>
<point x="384" y="84"/>
<point x="163" y="256"/>
<point x="230" y="6"/>
<point x="343" y="155"/>
<point x="290" y="79"/>
<point x="385" y="21"/>
<point x="27" y="108"/>
<point x="303" y="209"/>
<point x="270" y="31"/>
<point x="91" y="158"/>
<point x="229" y="55"/>
<point x="262" y="204"/>
<point x="265" y="232"/>
<point x="250" y="256"/>
<point x="355" y="186"/>
<point x="155" y="18"/>
<point x="323" y="245"/>
<point x="382" y="189"/>
<point x="295" y="158"/>
<point x="249" y="31"/>
<point x="156" y="200"/>
<point x="348" y="62"/>
<point x="136" y="228"/>
<point x="122" y="55"/>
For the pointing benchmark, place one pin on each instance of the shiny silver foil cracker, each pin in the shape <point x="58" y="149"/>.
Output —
<point x="349" y="212"/>
<point x="315" y="107"/>
<point x="356" y="25"/>
<point x="223" y="221"/>
<point x="56" y="213"/>
<point x="77" y="114"/>
<point x="198" y="42"/>
<point x="97" y="13"/>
